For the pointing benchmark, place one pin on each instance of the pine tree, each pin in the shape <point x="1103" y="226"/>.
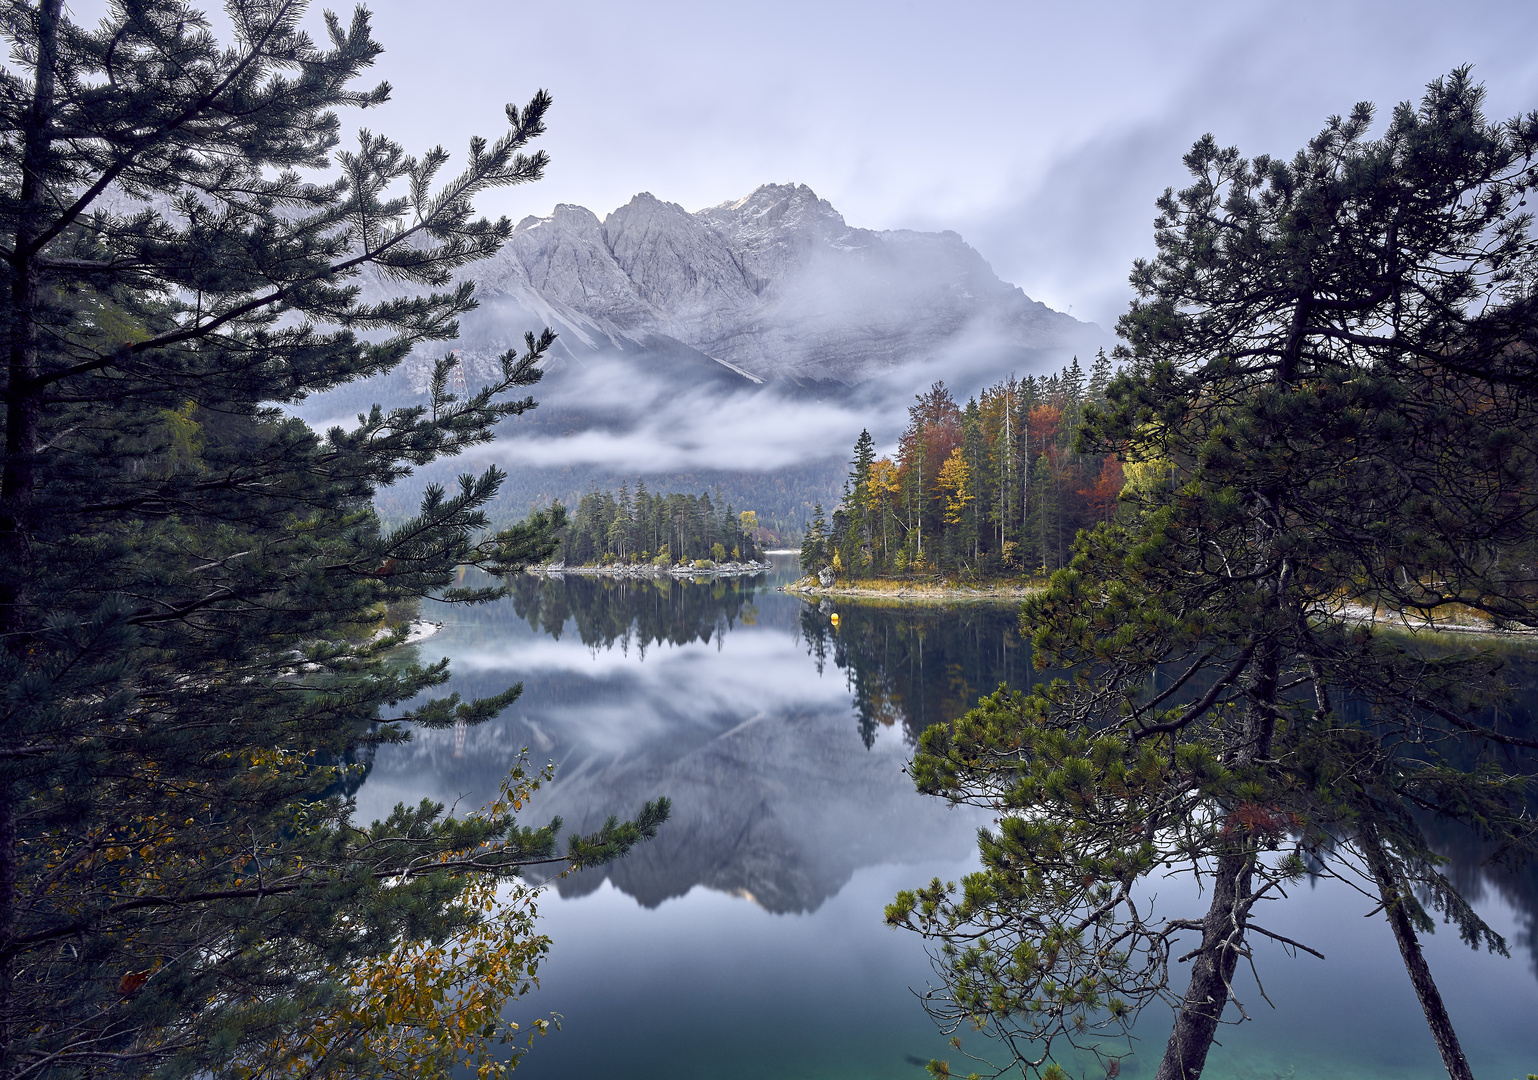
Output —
<point x="1333" y="360"/>
<point x="1052" y="392"/>
<point x="974" y="451"/>
<point x="195" y="594"/>
<point x="1046" y="515"/>
<point x="1073" y="384"/>
<point x="1030" y="393"/>
<point x="645" y="535"/>
<point x="623" y="527"/>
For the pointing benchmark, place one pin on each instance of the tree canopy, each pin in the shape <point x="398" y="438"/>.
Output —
<point x="199" y="609"/>
<point x="1330" y="395"/>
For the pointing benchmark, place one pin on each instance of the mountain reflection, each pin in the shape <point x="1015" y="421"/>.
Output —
<point x="700" y="691"/>
<point x="779" y="733"/>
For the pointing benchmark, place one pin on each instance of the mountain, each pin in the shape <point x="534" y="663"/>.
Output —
<point x="774" y="287"/>
<point x="741" y="347"/>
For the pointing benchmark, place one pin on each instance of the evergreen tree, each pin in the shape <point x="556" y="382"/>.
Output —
<point x="1030" y="394"/>
<point x="622" y="528"/>
<point x="1073" y="384"/>
<point x="645" y="533"/>
<point x="855" y="538"/>
<point x="998" y="468"/>
<point x="814" y="544"/>
<point x="1333" y="361"/>
<point x="1046" y="518"/>
<point x="197" y="601"/>
<point x="1052" y="391"/>
<point x="974" y="452"/>
<point x="1099" y="377"/>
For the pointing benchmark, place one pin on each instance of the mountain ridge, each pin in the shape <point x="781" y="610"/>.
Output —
<point x="775" y="286"/>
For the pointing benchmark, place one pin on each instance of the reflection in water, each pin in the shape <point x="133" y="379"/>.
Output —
<point x="635" y="611"/>
<point x="699" y="691"/>
<point x="1474" y="867"/>
<point x="912" y="666"/>
<point x="781" y="738"/>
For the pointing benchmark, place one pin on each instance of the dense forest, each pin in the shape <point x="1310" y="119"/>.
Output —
<point x="661" y="529"/>
<point x="990" y="487"/>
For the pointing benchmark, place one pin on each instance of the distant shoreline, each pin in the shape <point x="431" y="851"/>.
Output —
<point x="917" y="592"/>
<point x="1398" y="623"/>
<point x="648" y="571"/>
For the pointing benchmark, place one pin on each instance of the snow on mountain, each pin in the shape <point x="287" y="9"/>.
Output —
<point x="774" y="286"/>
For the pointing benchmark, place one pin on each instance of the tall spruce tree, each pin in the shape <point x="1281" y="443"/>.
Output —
<point x="814" y="544"/>
<point x="193" y="585"/>
<point x="1333" y="359"/>
<point x="1099" y="377"/>
<point x="855" y="540"/>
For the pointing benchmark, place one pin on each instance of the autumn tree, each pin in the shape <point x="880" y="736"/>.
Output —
<point x="197" y="601"/>
<point x="1331" y="383"/>
<point x="1028" y="489"/>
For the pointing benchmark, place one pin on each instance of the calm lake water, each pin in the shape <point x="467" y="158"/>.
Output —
<point x="747" y="941"/>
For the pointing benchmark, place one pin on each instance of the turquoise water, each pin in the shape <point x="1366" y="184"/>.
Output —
<point x="747" y="940"/>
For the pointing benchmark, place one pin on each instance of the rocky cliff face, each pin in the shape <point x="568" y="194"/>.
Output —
<point x="773" y="286"/>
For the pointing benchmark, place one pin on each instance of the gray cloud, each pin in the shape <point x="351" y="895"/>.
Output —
<point x="1041" y="132"/>
<point x="611" y="414"/>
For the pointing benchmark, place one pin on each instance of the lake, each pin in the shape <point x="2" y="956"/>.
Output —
<point x="747" y="939"/>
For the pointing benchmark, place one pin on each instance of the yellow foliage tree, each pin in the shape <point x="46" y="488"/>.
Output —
<point x="419" y="1006"/>
<point x="431" y="1007"/>
<point x="956" y="481"/>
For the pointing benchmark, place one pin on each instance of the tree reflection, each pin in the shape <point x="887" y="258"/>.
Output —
<point x="610" y="611"/>
<point x="909" y="667"/>
<point x="912" y="666"/>
<point x="1475" y="867"/>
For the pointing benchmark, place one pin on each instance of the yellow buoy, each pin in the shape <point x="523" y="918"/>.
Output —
<point x="834" y="617"/>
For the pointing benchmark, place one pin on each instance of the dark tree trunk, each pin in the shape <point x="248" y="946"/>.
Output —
<point x="17" y="483"/>
<point x="1223" y="928"/>
<point x="1196" y="1024"/>
<point x="1437" y="1020"/>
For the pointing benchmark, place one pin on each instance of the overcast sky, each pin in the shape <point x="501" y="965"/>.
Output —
<point x="1040" y="132"/>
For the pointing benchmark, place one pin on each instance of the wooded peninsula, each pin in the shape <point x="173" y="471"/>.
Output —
<point x="995" y="488"/>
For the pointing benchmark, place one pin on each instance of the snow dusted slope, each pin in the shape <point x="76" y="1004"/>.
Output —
<point x="775" y="285"/>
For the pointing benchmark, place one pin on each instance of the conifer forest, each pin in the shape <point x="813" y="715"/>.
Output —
<point x="667" y="529"/>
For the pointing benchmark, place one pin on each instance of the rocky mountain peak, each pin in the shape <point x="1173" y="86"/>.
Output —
<point x="778" y="207"/>
<point x="775" y="283"/>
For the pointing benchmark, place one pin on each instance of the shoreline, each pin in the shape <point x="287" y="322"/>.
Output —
<point x="916" y="592"/>
<point x="648" y="571"/>
<point x="996" y="593"/>
<point x="1361" y="613"/>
